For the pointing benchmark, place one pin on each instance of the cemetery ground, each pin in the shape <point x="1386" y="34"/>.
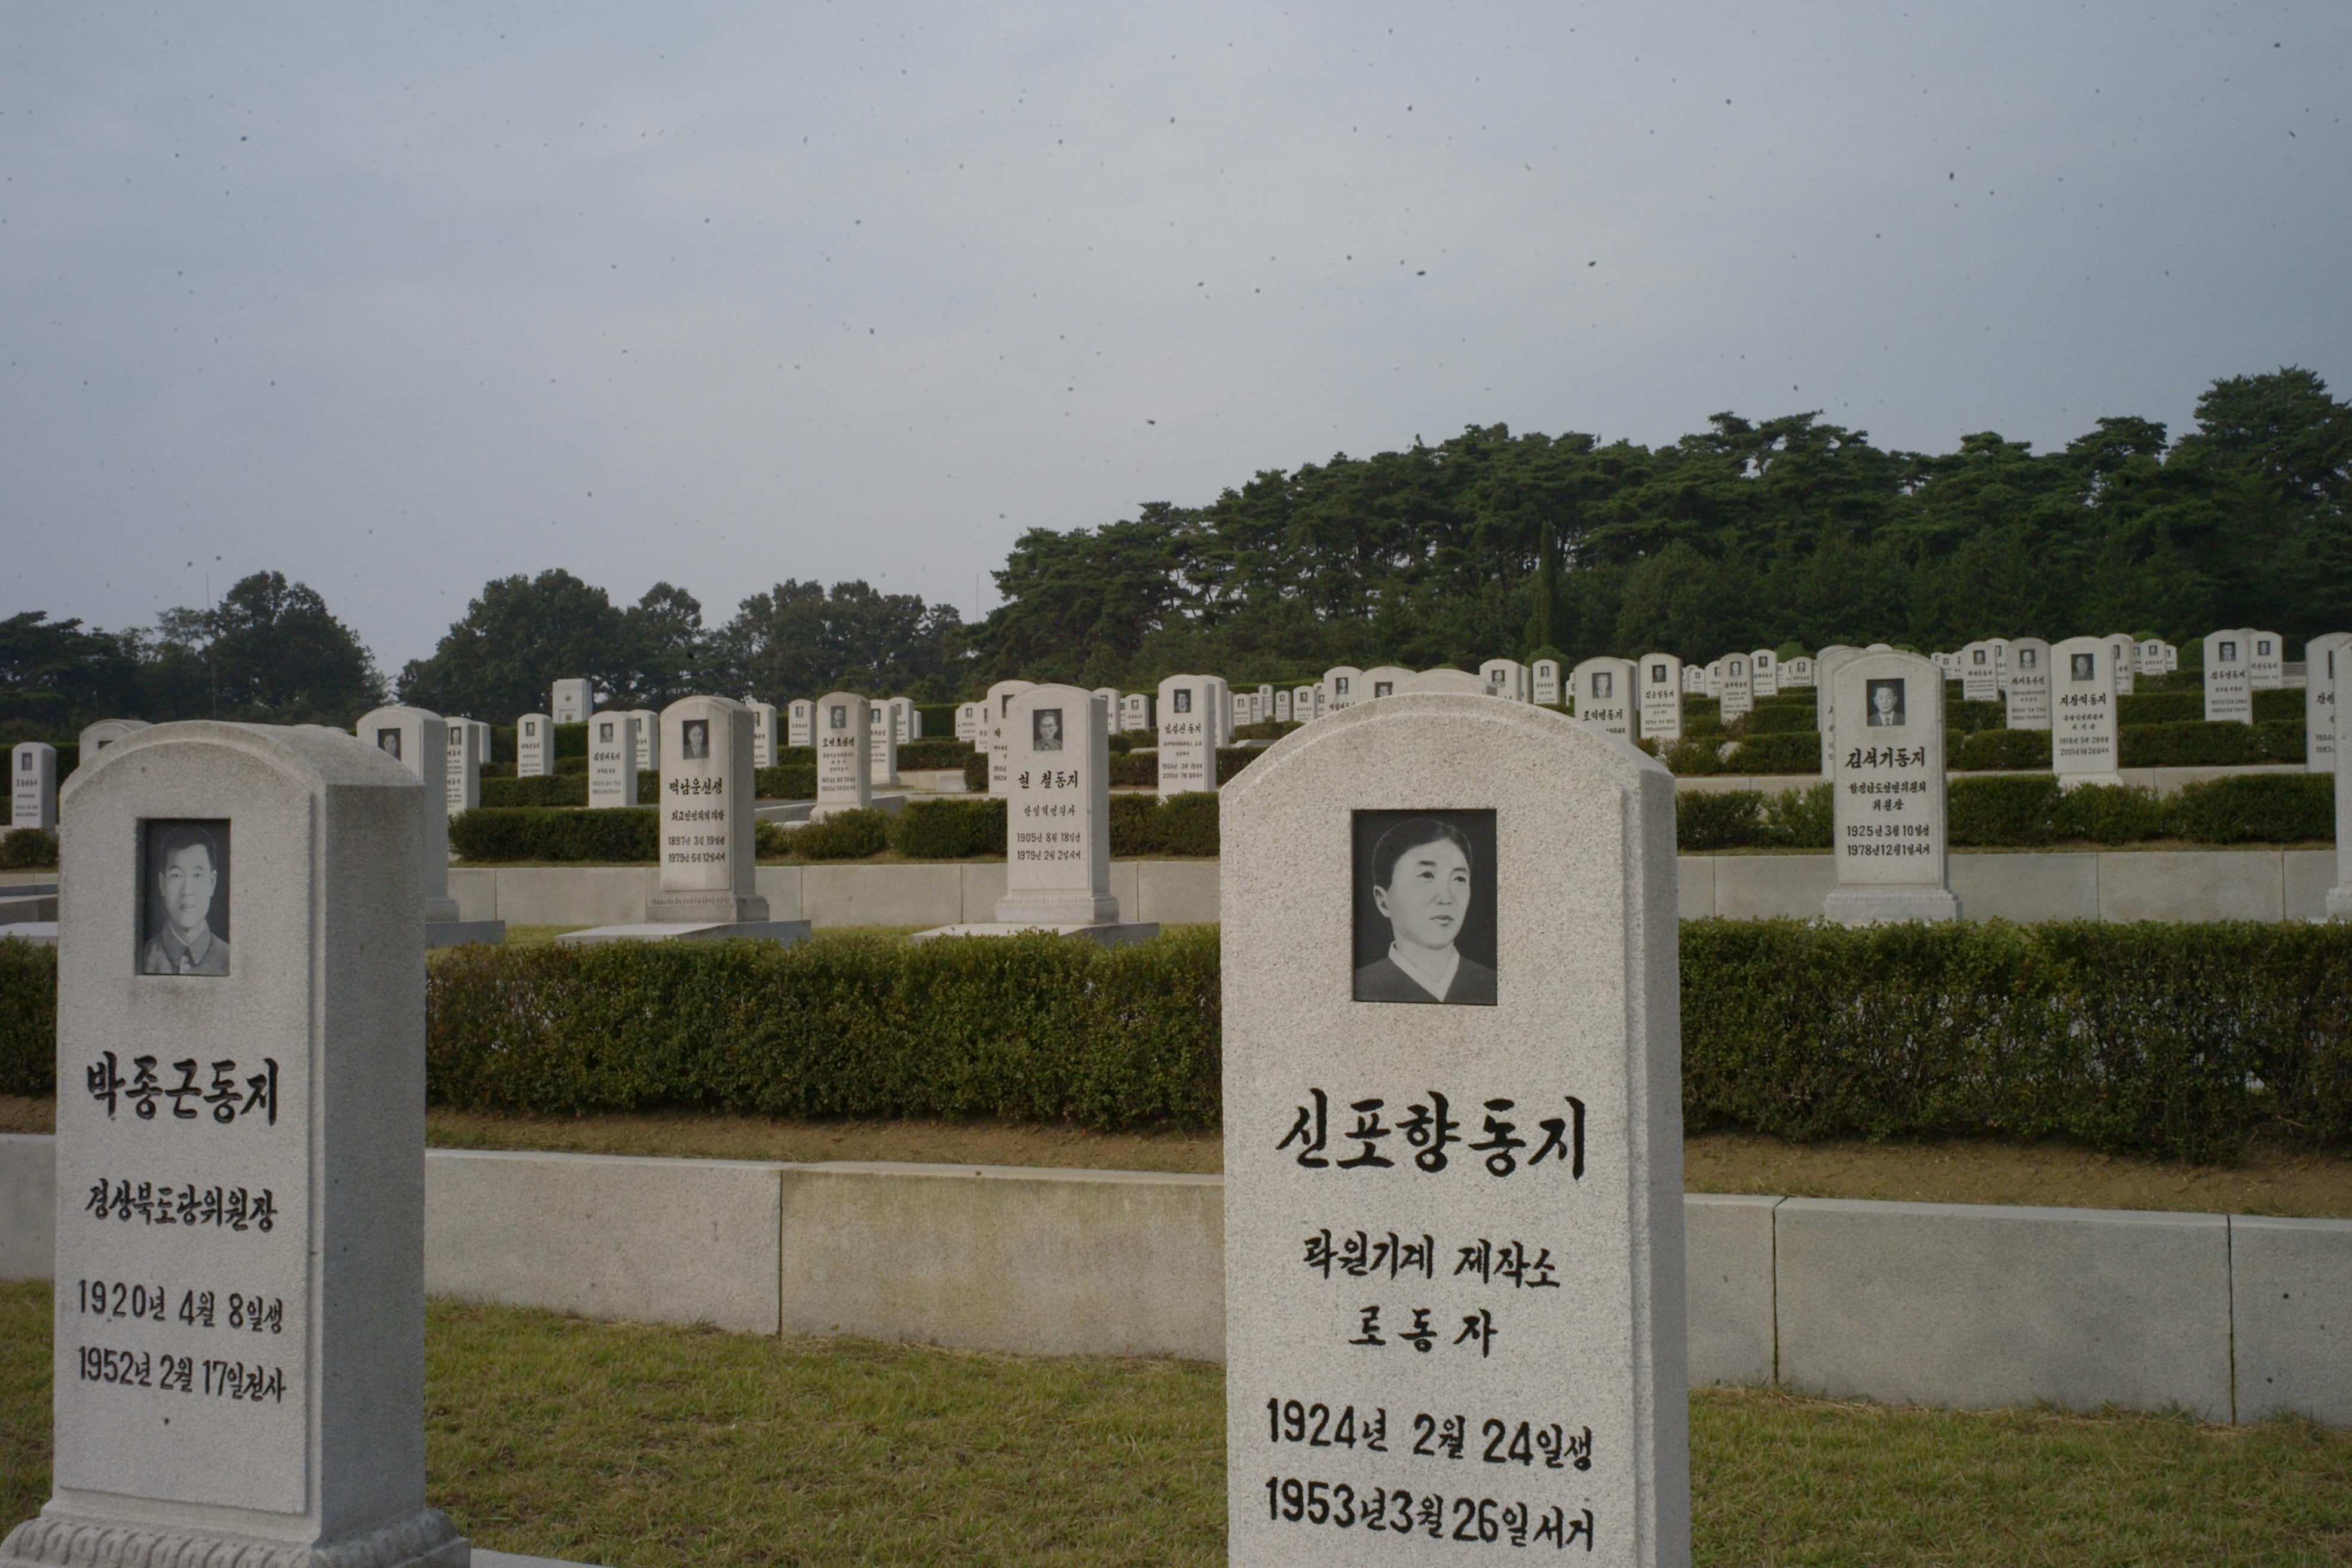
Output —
<point x="633" y="1447"/>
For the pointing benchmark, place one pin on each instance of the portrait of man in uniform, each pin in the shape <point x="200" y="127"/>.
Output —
<point x="1424" y="897"/>
<point x="1883" y="708"/>
<point x="694" y="739"/>
<point x="186" y="913"/>
<point x="1045" y="730"/>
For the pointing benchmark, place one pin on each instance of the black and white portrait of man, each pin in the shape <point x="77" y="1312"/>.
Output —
<point x="1424" y="907"/>
<point x="387" y="741"/>
<point x="2083" y="666"/>
<point x="1045" y="730"/>
<point x="2226" y="653"/>
<point x="1604" y="684"/>
<point x="184" y="920"/>
<point x="1183" y="699"/>
<point x="1883" y="703"/>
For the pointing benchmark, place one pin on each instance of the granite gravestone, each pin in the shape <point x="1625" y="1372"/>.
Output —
<point x="1888" y="836"/>
<point x="2265" y="660"/>
<point x="1825" y="669"/>
<point x="1110" y="695"/>
<point x="1980" y="673"/>
<point x="1223" y="694"/>
<point x="1454" y="1252"/>
<point x="571" y="701"/>
<point x="648" y="740"/>
<point x="1339" y="688"/>
<point x="1057" y="823"/>
<point x="1605" y="695"/>
<point x="2229" y="684"/>
<point x="419" y="741"/>
<point x="1264" y="704"/>
<point x="1711" y="683"/>
<point x="1506" y="677"/>
<point x="2319" y="657"/>
<point x="1135" y="713"/>
<point x="461" y="762"/>
<point x="998" y="704"/>
<point x="1188" y="759"/>
<point x="1543" y="683"/>
<point x="2000" y="664"/>
<point x="534" y="746"/>
<point x="906" y="720"/>
<point x="2028" y="684"/>
<point x="33" y="787"/>
<point x="800" y="721"/>
<point x="2119" y="659"/>
<point x="767" y="731"/>
<point x="2083" y="738"/>
<point x="1282" y="700"/>
<point x="1736" y="695"/>
<point x="96" y="738"/>
<point x="844" y="751"/>
<point x="1764" y="672"/>
<point x="1693" y="681"/>
<point x="881" y="744"/>
<point x="239" y="1324"/>
<point x="1796" y="674"/>
<point x="612" y="760"/>
<point x="1307" y="704"/>
<point x="1658" y="678"/>
<point x="1388" y="679"/>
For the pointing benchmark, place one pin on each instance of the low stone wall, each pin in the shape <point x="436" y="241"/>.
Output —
<point x="1948" y="1305"/>
<point x="2088" y="885"/>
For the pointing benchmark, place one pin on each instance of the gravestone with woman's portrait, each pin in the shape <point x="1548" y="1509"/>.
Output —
<point x="534" y="746"/>
<point x="1889" y="841"/>
<point x="1658" y="691"/>
<point x="2028" y="684"/>
<point x="1605" y="695"/>
<point x="2083" y="734"/>
<point x="1454" y="1251"/>
<point x="845" y="745"/>
<point x="1057" y="824"/>
<point x="1188" y="753"/>
<point x="238" y="1338"/>
<point x="612" y="760"/>
<point x="419" y="741"/>
<point x="2229" y="679"/>
<point x="33" y="787"/>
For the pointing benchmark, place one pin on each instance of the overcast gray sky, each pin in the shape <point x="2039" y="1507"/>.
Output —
<point x="398" y="299"/>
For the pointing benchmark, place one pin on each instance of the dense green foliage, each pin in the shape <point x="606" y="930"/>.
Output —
<point x="28" y="1018"/>
<point x="618" y="833"/>
<point x="1746" y="535"/>
<point x="520" y="635"/>
<point x="558" y="789"/>
<point x="28" y="849"/>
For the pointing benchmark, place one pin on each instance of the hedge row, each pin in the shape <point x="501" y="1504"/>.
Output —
<point x="29" y="849"/>
<point x="961" y="829"/>
<point x="28" y="1018"/>
<point x="556" y="789"/>
<point x="2030" y="809"/>
<point x="557" y="834"/>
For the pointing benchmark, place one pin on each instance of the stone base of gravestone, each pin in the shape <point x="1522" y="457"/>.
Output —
<point x="459" y="933"/>
<point x="706" y="906"/>
<point x="423" y="1539"/>
<point x="1109" y="933"/>
<point x="1867" y="906"/>
<point x="785" y="932"/>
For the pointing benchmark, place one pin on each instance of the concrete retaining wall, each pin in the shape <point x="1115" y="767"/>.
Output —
<point x="2092" y="885"/>
<point x="1947" y="1305"/>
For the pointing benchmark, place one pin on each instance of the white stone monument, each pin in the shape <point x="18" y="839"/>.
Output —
<point x="1543" y="683"/>
<point x="767" y="733"/>
<point x="2000" y="664"/>
<point x="2266" y="664"/>
<point x="1796" y="674"/>
<point x="844" y="755"/>
<point x="800" y="721"/>
<point x="1057" y="824"/>
<point x="1225" y="706"/>
<point x="881" y="744"/>
<point x="1388" y="679"/>
<point x="240" y="1159"/>
<point x="1658" y="678"/>
<point x="2319" y="658"/>
<point x="1693" y="681"/>
<point x="1307" y="704"/>
<point x="998" y="704"/>
<point x="1506" y="678"/>
<point x="1263" y="706"/>
<point x="2229" y="679"/>
<point x="1737" y="694"/>
<point x="1825" y="667"/>
<point x="1457" y="682"/>
<point x="648" y="740"/>
<point x="461" y="762"/>
<point x="571" y="701"/>
<point x="1282" y="700"/>
<point x="2120" y="658"/>
<point x="1606" y="696"/>
<point x="1457" y="1226"/>
<point x="1764" y="672"/>
<point x="33" y="787"/>
<point x="1711" y="683"/>
<point x="1980" y="673"/>
<point x="534" y="746"/>
<point x="612" y="760"/>
<point x="708" y="846"/>
<point x="96" y="738"/>
<point x="419" y="741"/>
<point x="2028" y="685"/>
<point x="1889" y="839"/>
<point x="1135" y="713"/>
<point x="2083" y="746"/>
<point x="1340" y="689"/>
<point x="1187" y="759"/>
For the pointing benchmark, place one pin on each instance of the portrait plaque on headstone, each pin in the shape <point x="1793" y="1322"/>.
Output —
<point x="33" y="787"/>
<point x="2228" y="683"/>
<point x="1888" y="836"/>
<point x="2265" y="659"/>
<point x="845" y="742"/>
<point x="1342" y="688"/>
<point x="1543" y="683"/>
<point x="2320" y="657"/>
<point x="1605" y="695"/>
<point x="612" y="760"/>
<point x="1796" y="674"/>
<point x="239" y="1325"/>
<point x="534" y="746"/>
<point x="2120" y="659"/>
<point x="461" y="762"/>
<point x="2028" y="684"/>
<point x="571" y="701"/>
<point x="708" y="852"/>
<point x="2083" y="739"/>
<point x="1764" y="672"/>
<point x="1659" y="677"/>
<point x="1506" y="677"/>
<point x="1388" y="679"/>
<point x="1057" y="819"/>
<point x="881" y="744"/>
<point x="800" y="721"/>
<point x="1737" y="694"/>
<point x="1453" y="1144"/>
<point x="1135" y="713"/>
<point x="1980" y="673"/>
<point x="1188" y="759"/>
<point x="648" y="740"/>
<point x="96" y="738"/>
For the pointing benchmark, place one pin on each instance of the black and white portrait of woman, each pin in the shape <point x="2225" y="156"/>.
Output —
<point x="1424" y="907"/>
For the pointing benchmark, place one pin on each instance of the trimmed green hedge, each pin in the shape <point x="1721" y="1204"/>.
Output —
<point x="844" y="835"/>
<point x="557" y="834"/>
<point x="785" y="781"/>
<point x="1753" y="819"/>
<point x="28" y="1018"/>
<point x="1778" y="718"/>
<point x="556" y="789"/>
<point x="29" y="849"/>
<point x="2011" y="751"/>
<point x="929" y="753"/>
<point x="950" y="829"/>
<point x="976" y="771"/>
<point x="2197" y="744"/>
<point x="1777" y="752"/>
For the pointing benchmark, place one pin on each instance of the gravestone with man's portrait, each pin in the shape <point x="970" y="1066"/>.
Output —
<point x="612" y="760"/>
<point x="1342" y="688"/>
<point x="461" y="765"/>
<point x="881" y="745"/>
<point x="1736" y="693"/>
<point x="2229" y="679"/>
<point x="1764" y="672"/>
<point x="1658" y="688"/>
<point x="845" y="746"/>
<point x="1454" y="1251"/>
<point x="534" y="746"/>
<point x="238" y="1338"/>
<point x="1543" y="683"/>
<point x="2265" y="659"/>
<point x="1057" y="824"/>
<point x="1188" y="756"/>
<point x="800" y="721"/>
<point x="419" y="741"/>
<point x="1796" y="674"/>
<point x="1605" y="695"/>
<point x="1508" y="678"/>
<point x="2084" y="748"/>
<point x="2028" y="684"/>
<point x="1980" y="673"/>
<point x="1889" y="840"/>
<point x="33" y="787"/>
<point x="572" y="700"/>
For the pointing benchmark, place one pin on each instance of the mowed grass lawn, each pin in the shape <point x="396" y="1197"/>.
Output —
<point x="646" y="1448"/>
